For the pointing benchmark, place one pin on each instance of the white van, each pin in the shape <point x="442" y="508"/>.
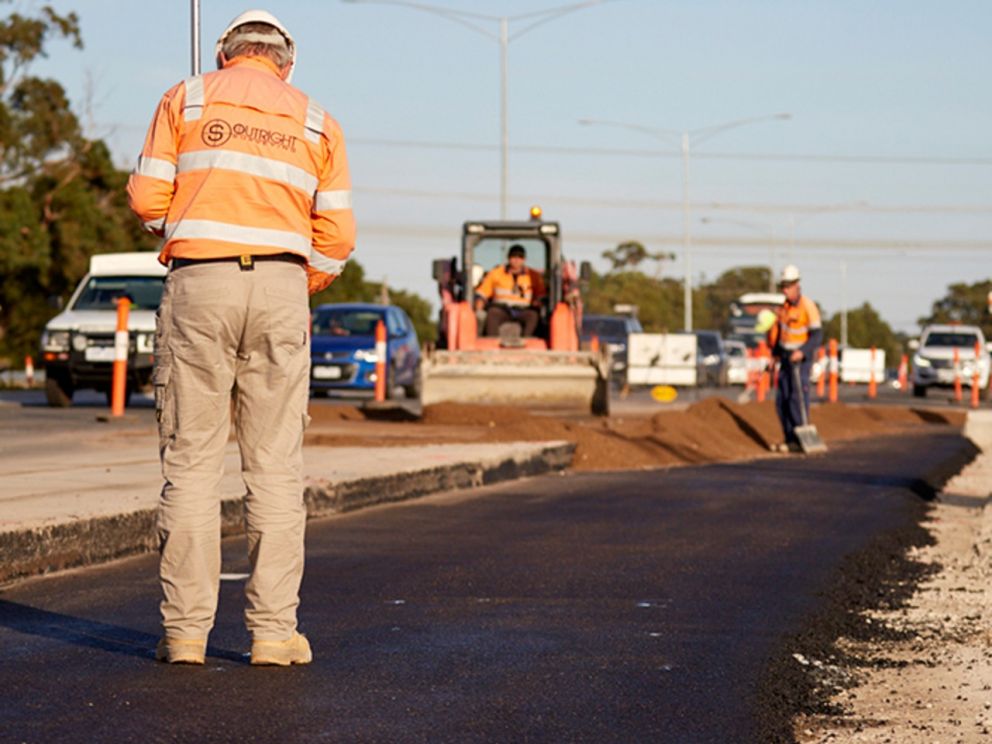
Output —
<point x="77" y="347"/>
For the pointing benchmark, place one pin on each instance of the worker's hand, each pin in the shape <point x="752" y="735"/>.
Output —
<point x="796" y="356"/>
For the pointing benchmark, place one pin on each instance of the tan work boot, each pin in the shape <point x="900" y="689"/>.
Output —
<point x="295" y="650"/>
<point x="179" y="651"/>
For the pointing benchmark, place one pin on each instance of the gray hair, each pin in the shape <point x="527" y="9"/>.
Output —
<point x="260" y="40"/>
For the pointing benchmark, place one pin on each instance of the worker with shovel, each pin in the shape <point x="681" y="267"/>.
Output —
<point x="793" y="340"/>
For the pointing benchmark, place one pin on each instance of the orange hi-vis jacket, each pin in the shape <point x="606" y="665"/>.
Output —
<point x="505" y="288"/>
<point x="796" y="326"/>
<point x="239" y="162"/>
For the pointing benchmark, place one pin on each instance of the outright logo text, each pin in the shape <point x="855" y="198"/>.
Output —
<point x="216" y="132"/>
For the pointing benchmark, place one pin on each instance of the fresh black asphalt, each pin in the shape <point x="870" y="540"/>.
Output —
<point x="609" y="607"/>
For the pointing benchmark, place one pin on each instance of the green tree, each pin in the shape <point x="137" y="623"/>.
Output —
<point x="866" y="328"/>
<point x="659" y="301"/>
<point x="630" y="254"/>
<point x="711" y="302"/>
<point x="963" y="303"/>
<point x="61" y="198"/>
<point x="352" y="286"/>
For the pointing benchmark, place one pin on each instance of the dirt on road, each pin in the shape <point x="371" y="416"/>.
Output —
<point x="712" y="430"/>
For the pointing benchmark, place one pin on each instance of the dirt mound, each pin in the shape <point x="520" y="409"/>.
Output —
<point x="712" y="430"/>
<point x="328" y="414"/>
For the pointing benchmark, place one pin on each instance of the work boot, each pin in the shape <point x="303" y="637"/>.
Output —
<point x="179" y="651"/>
<point x="295" y="650"/>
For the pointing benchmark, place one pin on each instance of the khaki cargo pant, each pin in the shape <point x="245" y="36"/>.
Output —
<point x="226" y="335"/>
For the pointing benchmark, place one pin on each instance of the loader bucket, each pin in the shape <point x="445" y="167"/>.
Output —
<point x="573" y="380"/>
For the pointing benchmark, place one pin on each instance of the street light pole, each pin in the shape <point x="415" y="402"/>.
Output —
<point x="503" y="37"/>
<point x="194" y="11"/>
<point x="685" y="139"/>
<point x="686" y="237"/>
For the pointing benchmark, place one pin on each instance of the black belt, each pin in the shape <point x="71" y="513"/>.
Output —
<point x="247" y="263"/>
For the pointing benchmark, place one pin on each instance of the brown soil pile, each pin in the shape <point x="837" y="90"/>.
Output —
<point x="712" y="430"/>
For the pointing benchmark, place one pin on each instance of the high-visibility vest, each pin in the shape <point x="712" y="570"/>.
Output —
<point x="505" y="288"/>
<point x="794" y="324"/>
<point x="238" y="162"/>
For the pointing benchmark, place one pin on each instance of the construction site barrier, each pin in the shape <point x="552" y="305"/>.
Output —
<point x="975" y="392"/>
<point x="860" y="366"/>
<point x="904" y="374"/>
<point x="957" y="376"/>
<point x="764" y="376"/>
<point x="118" y="384"/>
<point x="872" y="383"/>
<point x="661" y="359"/>
<point x="821" y="380"/>
<point x="834" y="370"/>
<point x="380" y="362"/>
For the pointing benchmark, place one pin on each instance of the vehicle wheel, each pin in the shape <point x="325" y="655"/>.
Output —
<point x="412" y="391"/>
<point x="58" y="392"/>
<point x="920" y="391"/>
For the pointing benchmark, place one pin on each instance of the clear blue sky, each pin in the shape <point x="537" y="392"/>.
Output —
<point x="886" y="79"/>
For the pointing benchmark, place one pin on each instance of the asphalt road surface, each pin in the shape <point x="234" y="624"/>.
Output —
<point x="636" y="606"/>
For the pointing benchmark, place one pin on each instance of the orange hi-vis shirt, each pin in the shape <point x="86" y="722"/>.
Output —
<point x="794" y="324"/>
<point x="505" y="288"/>
<point x="239" y="162"/>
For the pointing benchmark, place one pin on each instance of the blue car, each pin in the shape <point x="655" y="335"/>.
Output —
<point x="342" y="350"/>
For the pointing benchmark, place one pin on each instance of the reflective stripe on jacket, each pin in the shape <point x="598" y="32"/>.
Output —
<point x="505" y="288"/>
<point x="239" y="162"/>
<point x="795" y="325"/>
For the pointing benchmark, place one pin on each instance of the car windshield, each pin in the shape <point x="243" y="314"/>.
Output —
<point x="101" y="292"/>
<point x="950" y="338"/>
<point x="611" y="327"/>
<point x="345" y="322"/>
<point x="708" y="344"/>
<point x="492" y="252"/>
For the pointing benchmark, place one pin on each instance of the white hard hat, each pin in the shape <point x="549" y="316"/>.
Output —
<point x="789" y="275"/>
<point x="258" y="16"/>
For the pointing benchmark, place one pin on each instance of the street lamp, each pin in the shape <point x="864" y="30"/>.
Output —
<point x="503" y="37"/>
<point x="684" y="138"/>
<point x="765" y="228"/>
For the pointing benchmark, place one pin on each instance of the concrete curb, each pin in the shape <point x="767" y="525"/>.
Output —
<point x="85" y="542"/>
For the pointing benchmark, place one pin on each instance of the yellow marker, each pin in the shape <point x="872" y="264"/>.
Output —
<point x="664" y="393"/>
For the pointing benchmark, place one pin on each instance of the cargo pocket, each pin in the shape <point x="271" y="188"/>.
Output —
<point x="165" y="409"/>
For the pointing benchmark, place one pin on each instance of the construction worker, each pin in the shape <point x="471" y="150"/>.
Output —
<point x="246" y="179"/>
<point x="513" y="292"/>
<point x="793" y="340"/>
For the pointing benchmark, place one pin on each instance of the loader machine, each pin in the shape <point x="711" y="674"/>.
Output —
<point x="546" y="370"/>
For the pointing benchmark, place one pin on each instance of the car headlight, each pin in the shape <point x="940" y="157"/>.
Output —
<point x="920" y="361"/>
<point x="57" y="341"/>
<point x="79" y="342"/>
<point x="145" y="343"/>
<point x="366" y="355"/>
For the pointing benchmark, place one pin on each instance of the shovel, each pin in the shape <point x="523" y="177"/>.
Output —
<point x="808" y="436"/>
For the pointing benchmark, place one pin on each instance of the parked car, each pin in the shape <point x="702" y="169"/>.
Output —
<point x="933" y="362"/>
<point x="711" y="359"/>
<point x="736" y="362"/>
<point x="77" y="346"/>
<point x="612" y="330"/>
<point x="342" y="350"/>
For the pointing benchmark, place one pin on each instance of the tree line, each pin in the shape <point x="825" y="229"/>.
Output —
<point x="63" y="200"/>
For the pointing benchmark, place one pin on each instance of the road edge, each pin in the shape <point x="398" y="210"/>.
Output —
<point x="47" y="549"/>
<point x="803" y="671"/>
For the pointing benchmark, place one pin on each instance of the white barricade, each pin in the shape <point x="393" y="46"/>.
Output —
<point x="661" y="359"/>
<point x="855" y="366"/>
